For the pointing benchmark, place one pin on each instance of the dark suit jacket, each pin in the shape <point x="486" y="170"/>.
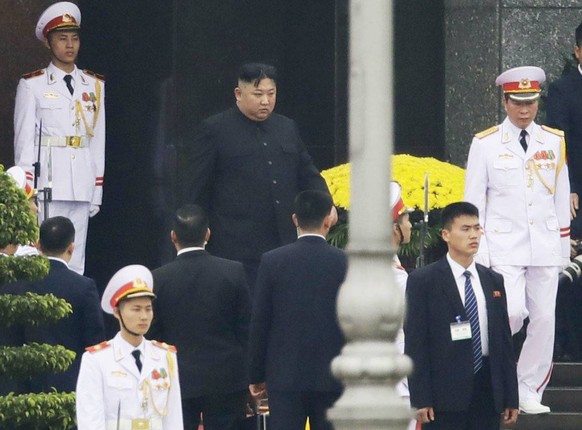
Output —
<point x="564" y="111"/>
<point x="203" y="308"/>
<point x="83" y="328"/>
<point x="294" y="329"/>
<point x="246" y="174"/>
<point x="443" y="369"/>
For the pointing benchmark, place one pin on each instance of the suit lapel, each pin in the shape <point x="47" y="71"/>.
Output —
<point x="449" y="287"/>
<point x="488" y="287"/>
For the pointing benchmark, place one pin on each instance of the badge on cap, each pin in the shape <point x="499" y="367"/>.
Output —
<point x="396" y="202"/>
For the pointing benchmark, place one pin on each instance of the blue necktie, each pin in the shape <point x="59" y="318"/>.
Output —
<point x="68" y="79"/>
<point x="136" y="355"/>
<point x="473" y="315"/>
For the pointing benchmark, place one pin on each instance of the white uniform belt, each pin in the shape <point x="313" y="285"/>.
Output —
<point x="125" y="424"/>
<point x="61" y="141"/>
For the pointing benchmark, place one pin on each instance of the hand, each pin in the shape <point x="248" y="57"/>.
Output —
<point x="425" y="415"/>
<point x="574" y="205"/>
<point x="573" y="248"/>
<point x="510" y="416"/>
<point x="258" y="391"/>
<point x="93" y="210"/>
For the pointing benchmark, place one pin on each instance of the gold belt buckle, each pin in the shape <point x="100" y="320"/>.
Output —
<point x="74" y="141"/>
<point x="140" y="424"/>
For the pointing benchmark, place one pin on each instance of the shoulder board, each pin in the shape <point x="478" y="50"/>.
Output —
<point x="487" y="132"/>
<point x="98" y="347"/>
<point x="164" y="345"/>
<point x="34" y="74"/>
<point x="555" y="131"/>
<point x="95" y="75"/>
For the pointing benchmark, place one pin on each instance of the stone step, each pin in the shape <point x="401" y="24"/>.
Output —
<point x="566" y="375"/>
<point x="552" y="421"/>
<point x="563" y="399"/>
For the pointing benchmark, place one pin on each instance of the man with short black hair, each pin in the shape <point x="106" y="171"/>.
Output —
<point x="458" y="336"/>
<point x="245" y="167"/>
<point x="203" y="307"/>
<point x="294" y="329"/>
<point x="84" y="327"/>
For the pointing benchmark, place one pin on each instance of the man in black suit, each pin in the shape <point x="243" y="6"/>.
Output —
<point x="564" y="111"/>
<point x="294" y="328"/>
<point x="84" y="327"/>
<point x="203" y="308"/>
<point x="458" y="336"/>
<point x="244" y="167"/>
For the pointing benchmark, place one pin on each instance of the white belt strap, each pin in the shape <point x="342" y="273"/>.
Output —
<point x="62" y="141"/>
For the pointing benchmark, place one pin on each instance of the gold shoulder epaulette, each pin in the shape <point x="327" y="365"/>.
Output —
<point x="95" y="75"/>
<point x="164" y="345"/>
<point x="34" y="74"/>
<point x="487" y="132"/>
<point x="555" y="131"/>
<point x="99" y="347"/>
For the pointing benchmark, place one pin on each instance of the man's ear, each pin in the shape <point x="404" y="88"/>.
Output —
<point x="208" y="233"/>
<point x="445" y="235"/>
<point x="71" y="248"/>
<point x="237" y="94"/>
<point x="295" y="222"/>
<point x="173" y="237"/>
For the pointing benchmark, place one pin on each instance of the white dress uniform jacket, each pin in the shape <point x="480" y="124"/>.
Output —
<point x="77" y="171"/>
<point x="522" y="197"/>
<point x="110" y="387"/>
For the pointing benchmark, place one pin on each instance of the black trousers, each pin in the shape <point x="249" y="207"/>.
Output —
<point x="289" y="410"/>
<point x="219" y="411"/>
<point x="481" y="414"/>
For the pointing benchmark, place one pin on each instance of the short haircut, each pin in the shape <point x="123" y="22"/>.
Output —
<point x="254" y="73"/>
<point x="311" y="207"/>
<point x="190" y="225"/>
<point x="456" y="210"/>
<point x="579" y="36"/>
<point x="56" y="234"/>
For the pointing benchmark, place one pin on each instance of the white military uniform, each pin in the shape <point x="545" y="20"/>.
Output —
<point x="523" y="202"/>
<point x="110" y="389"/>
<point x="72" y="143"/>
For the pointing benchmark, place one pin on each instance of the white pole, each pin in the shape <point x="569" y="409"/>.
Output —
<point x="370" y="304"/>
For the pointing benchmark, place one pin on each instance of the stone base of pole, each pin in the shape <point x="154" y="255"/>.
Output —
<point x="370" y="365"/>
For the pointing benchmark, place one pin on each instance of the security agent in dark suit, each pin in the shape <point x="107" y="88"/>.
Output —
<point x="244" y="167"/>
<point x="458" y="336"/>
<point x="564" y="111"/>
<point x="84" y="327"/>
<point x="294" y="328"/>
<point x="203" y="308"/>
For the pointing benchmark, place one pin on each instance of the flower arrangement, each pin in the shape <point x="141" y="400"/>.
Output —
<point x="446" y="184"/>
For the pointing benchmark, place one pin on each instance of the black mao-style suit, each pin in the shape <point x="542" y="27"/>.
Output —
<point x="295" y="332"/>
<point x="83" y="328"/>
<point x="443" y="376"/>
<point x="203" y="308"/>
<point x="246" y="174"/>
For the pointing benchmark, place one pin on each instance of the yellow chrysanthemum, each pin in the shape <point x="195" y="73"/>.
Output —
<point x="446" y="181"/>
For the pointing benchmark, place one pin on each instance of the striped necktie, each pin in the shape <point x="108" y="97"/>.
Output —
<point x="473" y="315"/>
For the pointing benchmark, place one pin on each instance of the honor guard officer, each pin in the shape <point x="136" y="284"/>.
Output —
<point x="518" y="178"/>
<point x="62" y="108"/>
<point x="129" y="382"/>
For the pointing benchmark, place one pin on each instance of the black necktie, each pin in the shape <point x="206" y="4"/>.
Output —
<point x="522" y="140"/>
<point x="473" y="314"/>
<point x="136" y="354"/>
<point x="68" y="79"/>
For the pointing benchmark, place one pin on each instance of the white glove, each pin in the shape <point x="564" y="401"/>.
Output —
<point x="93" y="210"/>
